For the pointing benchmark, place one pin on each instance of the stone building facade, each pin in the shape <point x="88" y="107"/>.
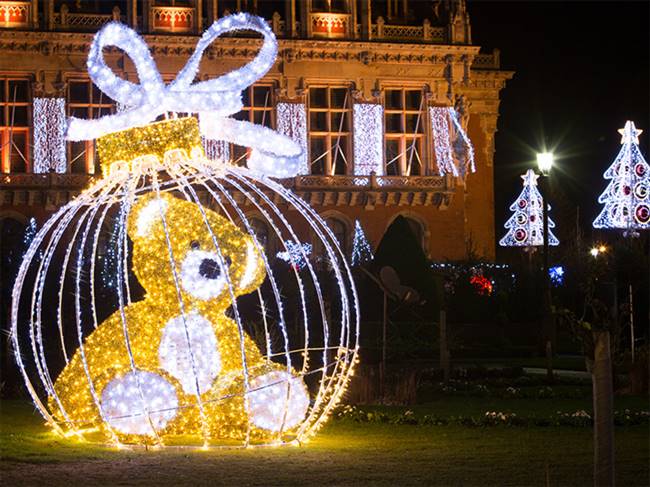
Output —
<point x="359" y="83"/>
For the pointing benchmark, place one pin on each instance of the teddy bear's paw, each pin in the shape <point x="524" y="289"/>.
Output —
<point x="138" y="403"/>
<point x="268" y="401"/>
<point x="195" y="362"/>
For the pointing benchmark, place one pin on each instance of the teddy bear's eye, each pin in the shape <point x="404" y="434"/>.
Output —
<point x="195" y="245"/>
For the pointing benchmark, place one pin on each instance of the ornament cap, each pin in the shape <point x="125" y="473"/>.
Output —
<point x="154" y="139"/>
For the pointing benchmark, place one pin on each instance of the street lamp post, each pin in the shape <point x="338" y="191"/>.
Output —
<point x="545" y="163"/>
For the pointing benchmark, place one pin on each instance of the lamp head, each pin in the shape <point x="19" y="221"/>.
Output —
<point x="545" y="162"/>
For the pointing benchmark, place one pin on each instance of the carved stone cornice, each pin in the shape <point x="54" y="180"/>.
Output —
<point x="45" y="190"/>
<point x="291" y="50"/>
<point x="488" y="123"/>
<point x="489" y="79"/>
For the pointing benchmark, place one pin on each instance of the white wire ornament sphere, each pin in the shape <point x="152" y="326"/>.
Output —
<point x="197" y="337"/>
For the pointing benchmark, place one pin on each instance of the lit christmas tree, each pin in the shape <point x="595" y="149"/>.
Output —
<point x="30" y="233"/>
<point x="526" y="225"/>
<point x="626" y="200"/>
<point x="361" y="250"/>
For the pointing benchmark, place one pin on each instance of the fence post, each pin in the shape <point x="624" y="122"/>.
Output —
<point x="426" y="30"/>
<point x="444" y="349"/>
<point x="275" y="23"/>
<point x="380" y="27"/>
<point x="64" y="16"/>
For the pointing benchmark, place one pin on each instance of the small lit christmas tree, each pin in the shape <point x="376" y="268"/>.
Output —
<point x="526" y="225"/>
<point x="30" y="233"/>
<point x="626" y="198"/>
<point x="361" y="250"/>
<point x="109" y="268"/>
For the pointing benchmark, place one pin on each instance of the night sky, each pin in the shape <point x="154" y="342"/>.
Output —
<point x="581" y="72"/>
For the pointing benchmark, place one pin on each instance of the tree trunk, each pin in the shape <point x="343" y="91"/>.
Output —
<point x="603" y="398"/>
<point x="444" y="347"/>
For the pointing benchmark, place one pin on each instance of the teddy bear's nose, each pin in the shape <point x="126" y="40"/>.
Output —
<point x="209" y="269"/>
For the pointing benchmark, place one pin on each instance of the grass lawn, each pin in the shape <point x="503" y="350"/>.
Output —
<point x="345" y="453"/>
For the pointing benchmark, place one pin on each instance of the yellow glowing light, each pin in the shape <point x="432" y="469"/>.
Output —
<point x="175" y="368"/>
<point x="105" y="349"/>
<point x="154" y="139"/>
<point x="151" y="218"/>
<point x="596" y="250"/>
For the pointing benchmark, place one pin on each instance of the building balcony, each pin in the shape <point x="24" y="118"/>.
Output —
<point x="487" y="61"/>
<point x="408" y="33"/>
<point x="330" y="25"/>
<point x="52" y="190"/>
<point x="175" y="20"/>
<point x="78" y="21"/>
<point x="15" y="15"/>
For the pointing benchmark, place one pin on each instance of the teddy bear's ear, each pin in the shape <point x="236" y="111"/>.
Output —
<point x="146" y="212"/>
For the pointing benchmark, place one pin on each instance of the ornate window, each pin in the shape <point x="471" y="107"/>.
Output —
<point x="86" y="101"/>
<point x="330" y="117"/>
<point x="258" y="109"/>
<point x="340" y="231"/>
<point x="329" y="6"/>
<point x="261" y="231"/>
<point x="404" y="119"/>
<point x="15" y="117"/>
<point x="417" y="230"/>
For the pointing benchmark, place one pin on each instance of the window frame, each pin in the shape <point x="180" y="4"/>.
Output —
<point x="7" y="131"/>
<point x="406" y="140"/>
<point x="90" y="151"/>
<point x="328" y="135"/>
<point x="238" y="157"/>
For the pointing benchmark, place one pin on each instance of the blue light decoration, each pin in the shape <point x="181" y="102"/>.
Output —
<point x="361" y="250"/>
<point x="526" y="225"/>
<point x="296" y="253"/>
<point x="556" y="274"/>
<point x="627" y="197"/>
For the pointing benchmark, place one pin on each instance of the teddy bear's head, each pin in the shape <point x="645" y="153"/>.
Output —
<point x="207" y="249"/>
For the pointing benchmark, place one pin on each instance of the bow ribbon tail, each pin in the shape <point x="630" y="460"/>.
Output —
<point x="273" y="154"/>
<point x="81" y="129"/>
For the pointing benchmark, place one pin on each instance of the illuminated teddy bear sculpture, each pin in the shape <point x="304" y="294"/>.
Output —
<point x="178" y="368"/>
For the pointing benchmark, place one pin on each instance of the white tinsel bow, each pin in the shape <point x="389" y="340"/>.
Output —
<point x="215" y="100"/>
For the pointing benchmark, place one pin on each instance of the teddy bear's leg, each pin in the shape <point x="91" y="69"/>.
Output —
<point x="137" y="401"/>
<point x="277" y="401"/>
<point x="194" y="362"/>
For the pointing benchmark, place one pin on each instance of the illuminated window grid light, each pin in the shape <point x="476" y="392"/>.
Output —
<point x="49" y="135"/>
<point x="368" y="139"/>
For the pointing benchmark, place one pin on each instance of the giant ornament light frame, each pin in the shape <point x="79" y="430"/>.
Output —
<point x="182" y="365"/>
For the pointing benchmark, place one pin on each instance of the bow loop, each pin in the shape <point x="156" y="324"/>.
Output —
<point x="119" y="89"/>
<point x="151" y="97"/>
<point x="215" y="100"/>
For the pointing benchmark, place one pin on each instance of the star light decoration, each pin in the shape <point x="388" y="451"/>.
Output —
<point x="626" y="199"/>
<point x="526" y="225"/>
<point x="172" y="367"/>
<point x="296" y="253"/>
